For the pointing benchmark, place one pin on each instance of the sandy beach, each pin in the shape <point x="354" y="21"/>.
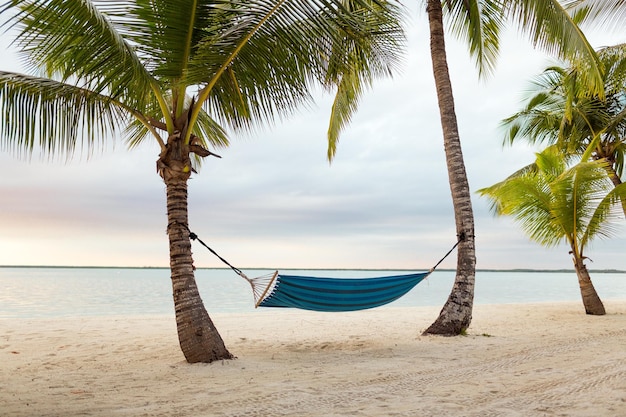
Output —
<point x="517" y="360"/>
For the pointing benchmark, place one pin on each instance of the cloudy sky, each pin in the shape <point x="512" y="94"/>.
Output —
<point x="273" y="200"/>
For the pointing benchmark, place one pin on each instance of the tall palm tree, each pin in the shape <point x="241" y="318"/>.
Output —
<point x="555" y="204"/>
<point x="550" y="27"/>
<point x="479" y="22"/>
<point x="180" y="73"/>
<point x="563" y="111"/>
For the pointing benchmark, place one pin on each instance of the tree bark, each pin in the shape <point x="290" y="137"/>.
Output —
<point x="199" y="339"/>
<point x="591" y="300"/>
<point x="456" y="314"/>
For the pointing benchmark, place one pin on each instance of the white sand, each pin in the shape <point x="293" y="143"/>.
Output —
<point x="518" y="360"/>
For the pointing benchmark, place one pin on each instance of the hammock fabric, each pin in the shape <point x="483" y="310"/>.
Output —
<point x="328" y="294"/>
<point x="334" y="294"/>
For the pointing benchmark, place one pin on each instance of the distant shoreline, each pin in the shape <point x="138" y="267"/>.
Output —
<point x="512" y="270"/>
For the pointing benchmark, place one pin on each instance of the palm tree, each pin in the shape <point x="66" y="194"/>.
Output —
<point x="480" y="22"/>
<point x="563" y="111"/>
<point x="555" y="204"/>
<point x="180" y="73"/>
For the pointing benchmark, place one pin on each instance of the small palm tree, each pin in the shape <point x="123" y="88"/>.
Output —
<point x="554" y="203"/>
<point x="180" y="73"/>
<point x="562" y="110"/>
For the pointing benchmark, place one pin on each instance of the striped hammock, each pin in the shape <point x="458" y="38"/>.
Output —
<point x="328" y="294"/>
<point x="331" y="294"/>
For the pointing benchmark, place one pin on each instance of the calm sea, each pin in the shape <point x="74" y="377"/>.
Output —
<point x="70" y="292"/>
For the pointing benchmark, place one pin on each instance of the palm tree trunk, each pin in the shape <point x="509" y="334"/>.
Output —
<point x="198" y="337"/>
<point x="456" y="315"/>
<point x="591" y="300"/>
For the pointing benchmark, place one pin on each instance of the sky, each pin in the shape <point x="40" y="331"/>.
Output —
<point x="274" y="201"/>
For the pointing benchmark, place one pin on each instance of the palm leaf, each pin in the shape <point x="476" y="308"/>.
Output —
<point x="541" y="119"/>
<point x="356" y="61"/>
<point x="276" y="53"/>
<point x="552" y="203"/>
<point x="206" y="130"/>
<point x="259" y="66"/>
<point x="265" y="80"/>
<point x="529" y="202"/>
<point x="575" y="194"/>
<point x="345" y="104"/>
<point x="604" y="219"/>
<point x="54" y="115"/>
<point x="565" y="112"/>
<point x="248" y="61"/>
<point x="551" y="28"/>
<point x="527" y="198"/>
<point x="479" y="23"/>
<point x="606" y="13"/>
<point x="83" y="46"/>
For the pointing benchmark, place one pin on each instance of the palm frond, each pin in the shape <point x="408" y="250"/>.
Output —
<point x="345" y="104"/>
<point x="479" y="23"/>
<point x="619" y="152"/>
<point x="169" y="34"/>
<point x="550" y="163"/>
<point x="54" y="115"/>
<point x="609" y="14"/>
<point x="529" y="202"/>
<point x="77" y="41"/>
<point x="246" y="62"/>
<point x="207" y="131"/>
<point x="534" y="125"/>
<point x="604" y="219"/>
<point x="268" y="59"/>
<point x="527" y="198"/>
<point x="256" y="65"/>
<point x="541" y="118"/>
<point x="614" y="61"/>
<point x="358" y="59"/>
<point x="138" y="129"/>
<point x="551" y="28"/>
<point x="210" y="132"/>
<point x="576" y="194"/>
<point x="564" y="111"/>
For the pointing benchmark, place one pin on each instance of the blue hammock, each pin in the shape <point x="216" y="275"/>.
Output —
<point x="328" y="294"/>
<point x="334" y="294"/>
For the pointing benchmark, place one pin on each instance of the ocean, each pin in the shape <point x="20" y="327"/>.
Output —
<point x="48" y="292"/>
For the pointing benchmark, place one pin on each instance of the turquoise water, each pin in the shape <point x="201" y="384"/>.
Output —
<point x="72" y="292"/>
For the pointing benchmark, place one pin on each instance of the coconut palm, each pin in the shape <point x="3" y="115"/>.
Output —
<point x="550" y="27"/>
<point x="562" y="110"/>
<point x="480" y="22"/>
<point x="554" y="203"/>
<point x="180" y="73"/>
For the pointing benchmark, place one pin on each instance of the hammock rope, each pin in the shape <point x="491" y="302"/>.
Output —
<point x="260" y="285"/>
<point x="327" y="294"/>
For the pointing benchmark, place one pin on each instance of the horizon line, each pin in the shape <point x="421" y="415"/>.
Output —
<point x="560" y="270"/>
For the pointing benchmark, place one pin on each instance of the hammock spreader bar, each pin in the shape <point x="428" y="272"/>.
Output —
<point x="329" y="294"/>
